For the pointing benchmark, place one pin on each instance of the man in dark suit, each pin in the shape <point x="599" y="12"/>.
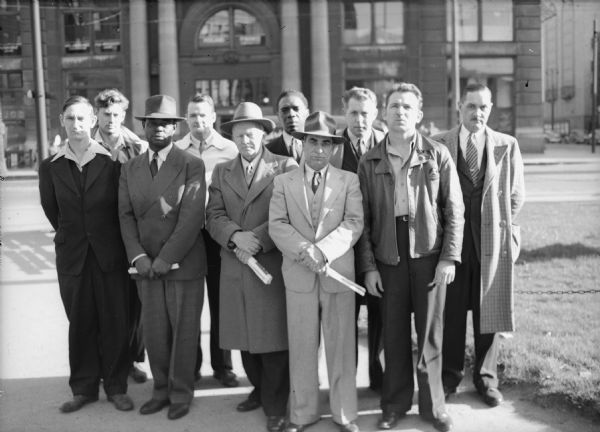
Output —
<point x="78" y="190"/>
<point x="161" y="208"/>
<point x="360" y="109"/>
<point x="292" y="110"/>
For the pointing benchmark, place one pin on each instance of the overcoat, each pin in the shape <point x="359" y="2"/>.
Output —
<point x="253" y="315"/>
<point x="502" y="199"/>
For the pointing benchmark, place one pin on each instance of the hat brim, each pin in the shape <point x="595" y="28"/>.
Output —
<point x="160" y="116"/>
<point x="267" y="124"/>
<point x="336" y="139"/>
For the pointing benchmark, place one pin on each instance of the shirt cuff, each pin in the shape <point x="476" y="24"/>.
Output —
<point x="137" y="257"/>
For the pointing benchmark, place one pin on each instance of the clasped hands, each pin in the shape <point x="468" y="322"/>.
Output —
<point x="247" y="244"/>
<point x="313" y="258"/>
<point x="149" y="269"/>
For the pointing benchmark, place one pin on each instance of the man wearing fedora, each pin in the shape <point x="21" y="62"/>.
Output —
<point x="161" y="210"/>
<point x="315" y="218"/>
<point x="253" y="315"/>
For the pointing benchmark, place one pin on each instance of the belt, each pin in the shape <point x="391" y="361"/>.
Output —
<point x="403" y="218"/>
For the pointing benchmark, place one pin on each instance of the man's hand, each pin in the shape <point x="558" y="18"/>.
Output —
<point x="373" y="283"/>
<point x="313" y="258"/>
<point x="160" y="267"/>
<point x="143" y="266"/>
<point x="246" y="241"/>
<point x="242" y="255"/>
<point x="444" y="274"/>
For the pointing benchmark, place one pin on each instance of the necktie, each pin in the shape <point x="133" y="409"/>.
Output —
<point x="316" y="181"/>
<point x="472" y="159"/>
<point x="249" y="173"/>
<point x="297" y="149"/>
<point x="360" y="148"/>
<point x="154" y="165"/>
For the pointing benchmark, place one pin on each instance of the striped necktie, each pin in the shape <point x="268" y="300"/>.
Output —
<point x="472" y="159"/>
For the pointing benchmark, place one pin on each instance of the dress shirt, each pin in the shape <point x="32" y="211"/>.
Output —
<point x="162" y="155"/>
<point x="308" y="175"/>
<point x="91" y="151"/>
<point x="399" y="158"/>
<point x="355" y="140"/>
<point x="254" y="163"/>
<point x="478" y="140"/>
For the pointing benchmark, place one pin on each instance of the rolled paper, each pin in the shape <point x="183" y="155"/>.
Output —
<point x="259" y="270"/>
<point x="345" y="281"/>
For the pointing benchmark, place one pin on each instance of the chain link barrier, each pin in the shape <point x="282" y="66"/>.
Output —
<point x="541" y="292"/>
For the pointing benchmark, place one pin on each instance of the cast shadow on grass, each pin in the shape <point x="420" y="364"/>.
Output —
<point x="557" y="250"/>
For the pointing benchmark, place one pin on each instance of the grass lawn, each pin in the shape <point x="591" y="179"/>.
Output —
<point x="556" y="347"/>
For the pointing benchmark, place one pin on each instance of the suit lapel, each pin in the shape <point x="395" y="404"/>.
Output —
<point x="63" y="172"/>
<point x="495" y="153"/>
<point x="298" y="192"/>
<point x="95" y="167"/>
<point x="143" y="181"/>
<point x="333" y="187"/>
<point x="235" y="178"/>
<point x="263" y="176"/>
<point x="169" y="169"/>
<point x="452" y="144"/>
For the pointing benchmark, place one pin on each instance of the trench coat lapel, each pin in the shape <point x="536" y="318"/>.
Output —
<point x="263" y="176"/>
<point x="63" y="172"/>
<point x="236" y="180"/>
<point x="495" y="153"/>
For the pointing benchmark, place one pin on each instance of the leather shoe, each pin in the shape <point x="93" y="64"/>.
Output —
<point x="248" y="405"/>
<point x="121" y="401"/>
<point x="491" y="396"/>
<point x="388" y="420"/>
<point x="77" y="403"/>
<point x="138" y="375"/>
<point x="178" y="410"/>
<point x="349" y="427"/>
<point x="293" y="427"/>
<point x="275" y="423"/>
<point x="226" y="378"/>
<point x="443" y="422"/>
<point x="449" y="391"/>
<point x="153" y="406"/>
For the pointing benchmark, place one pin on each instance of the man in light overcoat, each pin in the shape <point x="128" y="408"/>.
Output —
<point x="490" y="170"/>
<point x="253" y="314"/>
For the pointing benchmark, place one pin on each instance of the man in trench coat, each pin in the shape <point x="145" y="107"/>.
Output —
<point x="252" y="314"/>
<point x="490" y="170"/>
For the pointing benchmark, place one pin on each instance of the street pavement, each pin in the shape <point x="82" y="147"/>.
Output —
<point x="34" y="352"/>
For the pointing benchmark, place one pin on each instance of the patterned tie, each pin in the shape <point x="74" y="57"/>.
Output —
<point x="249" y="174"/>
<point x="154" y="165"/>
<point x="316" y="181"/>
<point x="472" y="159"/>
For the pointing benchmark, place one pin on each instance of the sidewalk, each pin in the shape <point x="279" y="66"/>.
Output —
<point x="553" y="154"/>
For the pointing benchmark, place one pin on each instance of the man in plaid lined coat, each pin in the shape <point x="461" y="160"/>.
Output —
<point x="490" y="169"/>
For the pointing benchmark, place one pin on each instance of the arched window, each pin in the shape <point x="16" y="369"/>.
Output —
<point x="231" y="28"/>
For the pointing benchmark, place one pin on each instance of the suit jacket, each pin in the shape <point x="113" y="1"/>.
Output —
<point x="344" y="156"/>
<point x="83" y="217"/>
<point x="163" y="216"/>
<point x="339" y="227"/>
<point x="277" y="146"/>
<point x="502" y="200"/>
<point x="232" y="206"/>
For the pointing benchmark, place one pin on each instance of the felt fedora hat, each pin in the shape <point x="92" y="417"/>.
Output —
<point x="160" y="107"/>
<point x="320" y="124"/>
<point x="248" y="112"/>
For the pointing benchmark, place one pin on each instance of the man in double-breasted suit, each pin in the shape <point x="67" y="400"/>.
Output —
<point x="253" y="317"/>
<point x="490" y="170"/>
<point x="161" y="209"/>
<point x="315" y="218"/>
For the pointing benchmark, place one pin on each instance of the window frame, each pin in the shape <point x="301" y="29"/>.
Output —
<point x="232" y="43"/>
<point x="14" y="10"/>
<point x="88" y="11"/>
<point x="479" y="23"/>
<point x="373" y="30"/>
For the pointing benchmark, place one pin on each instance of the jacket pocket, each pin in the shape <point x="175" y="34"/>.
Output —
<point x="515" y="243"/>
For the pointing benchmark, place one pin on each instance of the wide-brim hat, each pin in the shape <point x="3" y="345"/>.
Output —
<point x="320" y="124"/>
<point x="248" y="112"/>
<point x="160" y="107"/>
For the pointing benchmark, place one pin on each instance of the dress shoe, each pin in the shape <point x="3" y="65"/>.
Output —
<point x="275" y="423"/>
<point x="178" y="410"/>
<point x="449" y="391"/>
<point x="349" y="427"/>
<point x="138" y="375"/>
<point x="121" y="401"/>
<point x="77" y="403"/>
<point x="226" y="378"/>
<point x="153" y="406"/>
<point x="491" y="396"/>
<point x="388" y="420"/>
<point x="293" y="427"/>
<point x="443" y="422"/>
<point x="248" y="405"/>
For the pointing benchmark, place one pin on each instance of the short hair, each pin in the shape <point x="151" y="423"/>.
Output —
<point x="474" y="87"/>
<point x="76" y="99"/>
<point x="291" y="92"/>
<point x="405" y="87"/>
<point x="360" y="94"/>
<point x="202" y="97"/>
<point x="109" y="97"/>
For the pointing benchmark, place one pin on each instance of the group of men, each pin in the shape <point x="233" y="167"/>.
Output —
<point x="426" y="224"/>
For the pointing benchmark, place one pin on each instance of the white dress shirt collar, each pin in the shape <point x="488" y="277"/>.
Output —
<point x="162" y="154"/>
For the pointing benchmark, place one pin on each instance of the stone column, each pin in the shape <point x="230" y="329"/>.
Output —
<point x="138" y="57"/>
<point x="167" y="50"/>
<point x="290" y="45"/>
<point x="319" y="46"/>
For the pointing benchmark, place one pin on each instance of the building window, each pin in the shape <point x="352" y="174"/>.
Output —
<point x="10" y="28"/>
<point x="94" y="32"/>
<point x="231" y="28"/>
<point x="482" y="20"/>
<point x="228" y="93"/>
<point x="379" y="76"/>
<point x="89" y="82"/>
<point x="373" y="22"/>
<point x="11" y="87"/>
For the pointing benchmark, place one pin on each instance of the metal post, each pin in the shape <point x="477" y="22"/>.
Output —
<point x="455" y="66"/>
<point x="594" y="87"/>
<point x="39" y="93"/>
